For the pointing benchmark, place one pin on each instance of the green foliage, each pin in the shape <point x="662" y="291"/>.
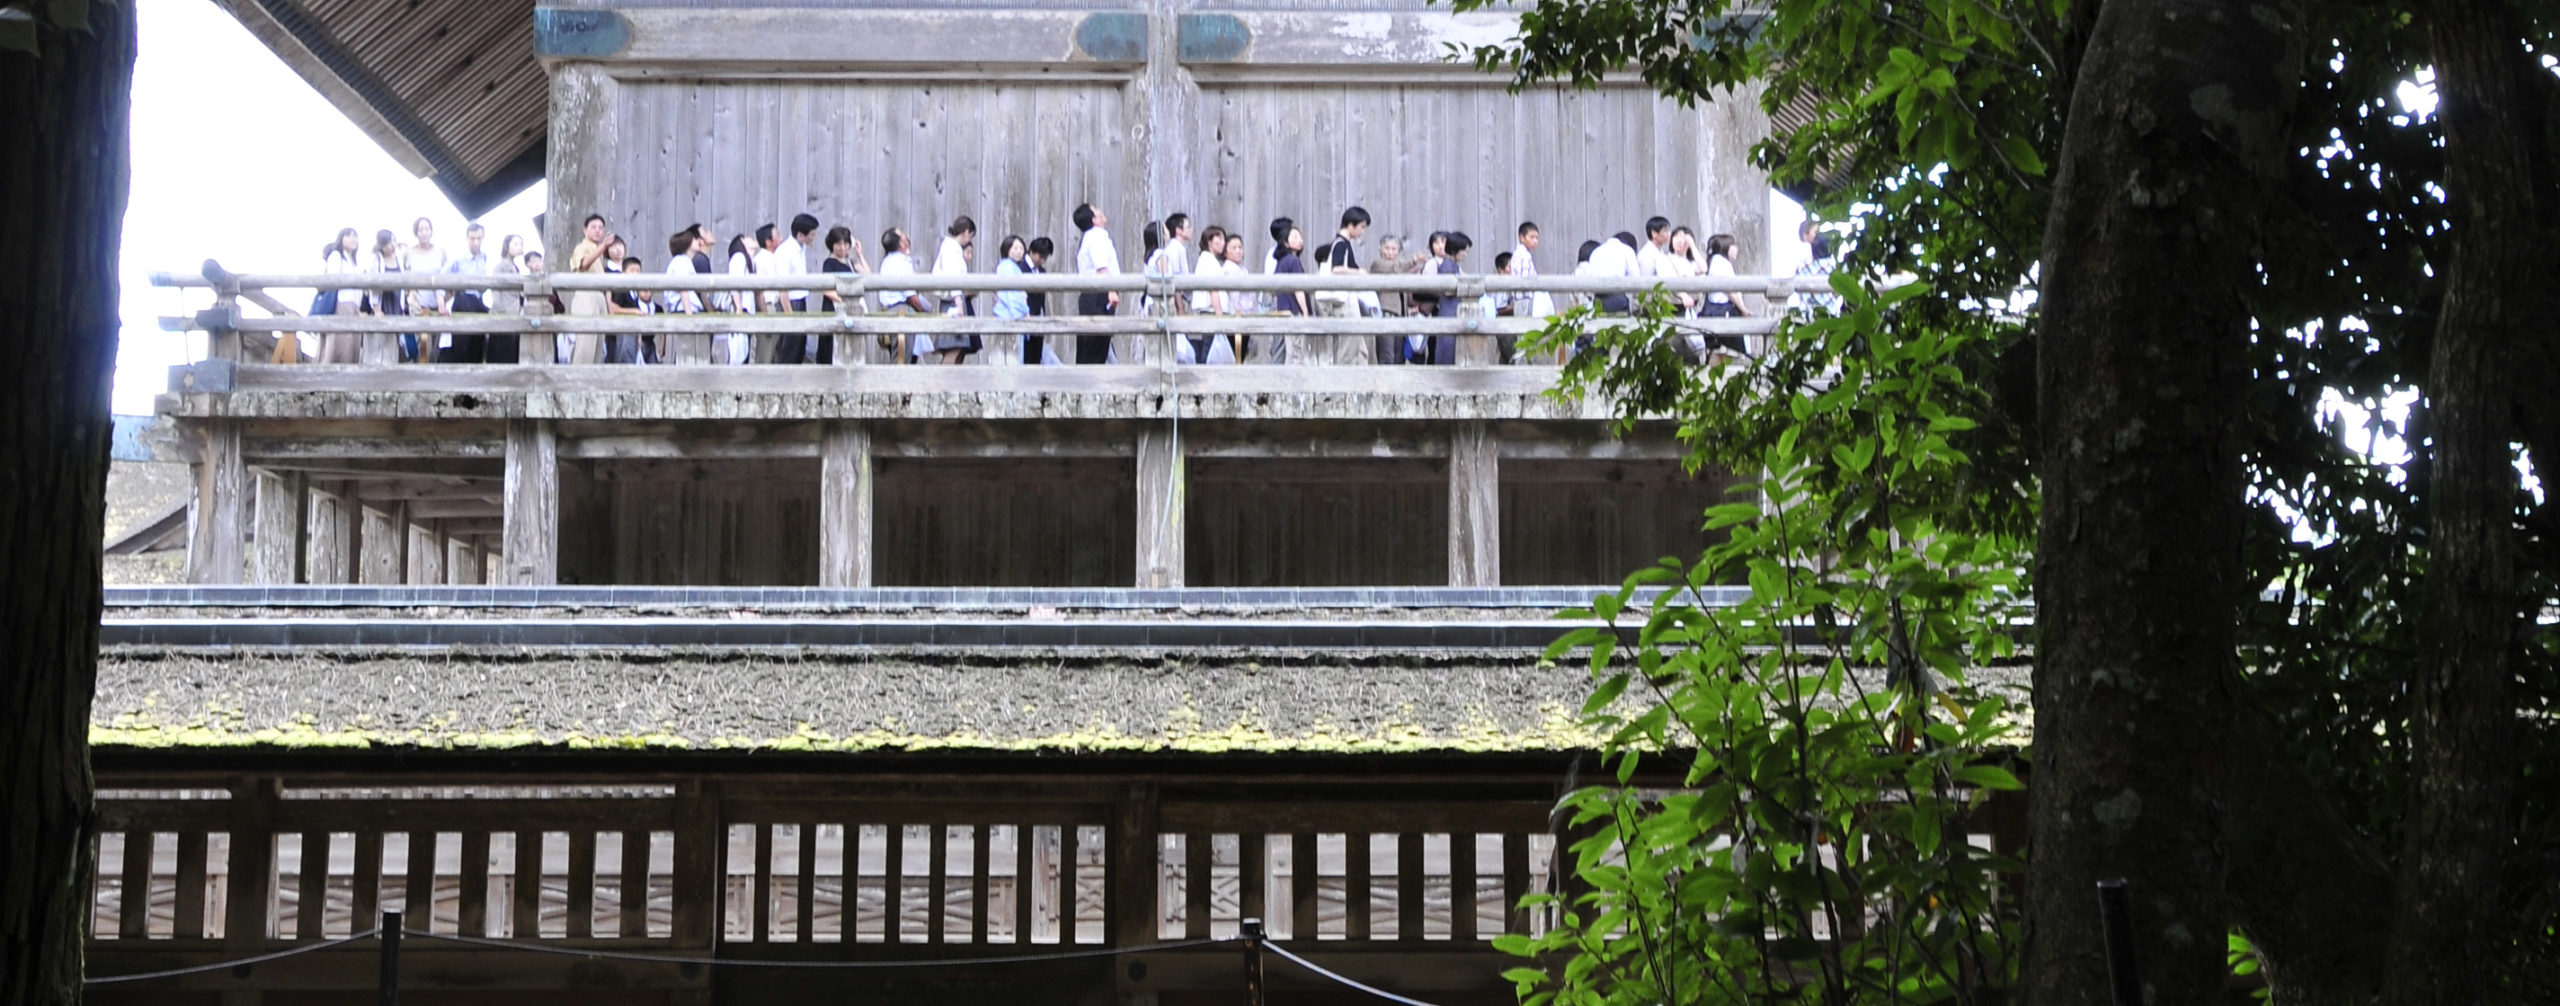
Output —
<point x="1829" y="754"/>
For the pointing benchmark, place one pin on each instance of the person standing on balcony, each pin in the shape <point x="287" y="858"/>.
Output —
<point x="742" y="262"/>
<point x="1212" y="260"/>
<point x="1011" y="305"/>
<point x="1270" y="302"/>
<point x="1237" y="346"/>
<point x="1340" y="257"/>
<point x="1444" y="348"/>
<point x="506" y="300"/>
<point x="844" y="255"/>
<point x="384" y="260"/>
<point x="1095" y="256"/>
<point x="769" y="259"/>
<point x="1616" y="259"/>
<point x="682" y="247"/>
<point x="425" y="257"/>
<point x="897" y="258"/>
<point x="1524" y="262"/>
<point x="461" y="347"/>
<point x="634" y="303"/>
<point x="1720" y="252"/>
<point x="337" y="258"/>
<point x="959" y="244"/>
<point x="792" y="259"/>
<point x="588" y="258"/>
<point x="1652" y="258"/>
<point x="1038" y="349"/>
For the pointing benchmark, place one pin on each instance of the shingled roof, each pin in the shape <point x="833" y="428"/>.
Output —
<point x="450" y="89"/>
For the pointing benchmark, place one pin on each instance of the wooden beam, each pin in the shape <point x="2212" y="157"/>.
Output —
<point x="334" y="534"/>
<point x="983" y="40"/>
<point x="386" y="543"/>
<point x="1475" y="507"/>
<point x="221" y="519"/>
<point x="585" y="142"/>
<point x="845" y="488"/>
<point x="1160" y="508"/>
<point x="283" y="527"/>
<point x="462" y="557"/>
<point x="532" y="505"/>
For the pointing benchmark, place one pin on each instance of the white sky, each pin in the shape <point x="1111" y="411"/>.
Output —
<point x="203" y="86"/>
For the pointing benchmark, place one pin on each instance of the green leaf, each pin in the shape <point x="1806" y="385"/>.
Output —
<point x="1987" y="777"/>
<point x="2021" y="155"/>
<point x="1607" y="693"/>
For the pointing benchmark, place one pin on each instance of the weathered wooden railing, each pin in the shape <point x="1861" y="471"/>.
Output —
<point x="1140" y="337"/>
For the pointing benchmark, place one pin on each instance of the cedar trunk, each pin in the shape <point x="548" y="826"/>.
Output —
<point x="62" y="198"/>
<point x="2173" y="132"/>
<point x="2462" y="759"/>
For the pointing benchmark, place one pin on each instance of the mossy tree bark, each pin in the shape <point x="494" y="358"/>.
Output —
<point x="62" y="200"/>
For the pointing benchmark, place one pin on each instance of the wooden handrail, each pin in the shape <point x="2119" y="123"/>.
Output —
<point x="979" y="282"/>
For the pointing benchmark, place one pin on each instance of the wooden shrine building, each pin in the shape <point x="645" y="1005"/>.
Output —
<point x="864" y="662"/>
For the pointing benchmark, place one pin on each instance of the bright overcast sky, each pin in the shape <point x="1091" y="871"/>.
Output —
<point x="203" y="86"/>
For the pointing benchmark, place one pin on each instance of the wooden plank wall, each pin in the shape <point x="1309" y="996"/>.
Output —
<point x="1587" y="522"/>
<point x="733" y="154"/>
<point x="734" y="522"/>
<point x="1049" y="522"/>
<point x="1329" y="522"/>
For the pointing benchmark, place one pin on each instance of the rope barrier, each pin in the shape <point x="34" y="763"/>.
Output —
<point x="648" y="958"/>
<point x="242" y="962"/>
<point x="1371" y="989"/>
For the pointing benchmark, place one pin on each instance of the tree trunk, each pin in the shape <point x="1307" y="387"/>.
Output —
<point x="2462" y="757"/>
<point x="62" y="198"/>
<point x="2150" y="245"/>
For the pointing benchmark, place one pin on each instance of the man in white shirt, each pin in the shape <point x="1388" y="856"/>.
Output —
<point x="1095" y="255"/>
<point x="952" y="259"/>
<point x="793" y="260"/>
<point x="1615" y="257"/>
<point x="770" y="261"/>
<point x="898" y="259"/>
<point x="682" y="246"/>
<point x="1653" y="259"/>
<point x="1525" y="263"/>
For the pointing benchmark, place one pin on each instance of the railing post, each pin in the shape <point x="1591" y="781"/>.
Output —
<point x="538" y="346"/>
<point x="223" y="343"/>
<point x="852" y="301"/>
<point x="387" y="986"/>
<point x="1474" y="350"/>
<point x="1251" y="930"/>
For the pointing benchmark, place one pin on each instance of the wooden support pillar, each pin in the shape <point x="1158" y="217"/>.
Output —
<point x="282" y="527"/>
<point x="386" y="543"/>
<point x="1134" y="914"/>
<point x="221" y="519"/>
<point x="333" y="533"/>
<point x="532" y="504"/>
<point x="1160" y="506"/>
<point x="1475" y="507"/>
<point x="462" y="561"/>
<point x="426" y="554"/>
<point x="844" y="505"/>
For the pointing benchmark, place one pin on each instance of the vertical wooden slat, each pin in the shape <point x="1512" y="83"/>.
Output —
<point x="762" y="930"/>
<point x="524" y="896"/>
<point x="1409" y="886"/>
<point x="1195" y="884"/>
<point x="1253" y="876"/>
<point x="314" y="900"/>
<point x="634" y="910"/>
<point x="1355" y="882"/>
<point x="365" y="879"/>
<point x="190" y="919"/>
<point x="1302" y="886"/>
<point x="808" y="880"/>
<point x="418" y="907"/>
<point x="582" y="882"/>
<point x="1025" y="877"/>
<point x="937" y="881"/>
<point x="474" y="913"/>
<point x="893" y="886"/>
<point x="1133" y="906"/>
<point x="133" y="901"/>
<point x="1462" y="886"/>
<point x="978" y="870"/>
<point x="1515" y="880"/>
<point x="1067" y="857"/>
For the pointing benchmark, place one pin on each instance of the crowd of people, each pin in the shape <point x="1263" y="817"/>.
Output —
<point x="1171" y="247"/>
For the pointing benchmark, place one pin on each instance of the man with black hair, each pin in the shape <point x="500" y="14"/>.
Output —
<point x="1340" y="258"/>
<point x="1615" y="258"/>
<point x="1525" y="263"/>
<point x="793" y="260"/>
<point x="1095" y="256"/>
<point x="1652" y="258"/>
<point x="1036" y="257"/>
<point x="1280" y="228"/>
